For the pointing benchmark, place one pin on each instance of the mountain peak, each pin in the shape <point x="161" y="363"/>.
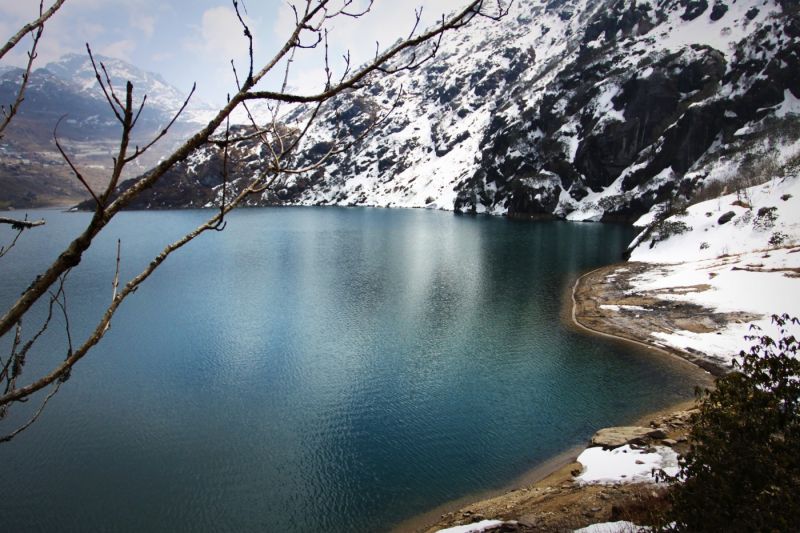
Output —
<point x="77" y="68"/>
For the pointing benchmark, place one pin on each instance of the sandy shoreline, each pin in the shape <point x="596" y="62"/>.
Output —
<point x="581" y="312"/>
<point x="603" y="304"/>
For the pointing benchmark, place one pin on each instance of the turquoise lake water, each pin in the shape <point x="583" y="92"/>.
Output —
<point x="315" y="369"/>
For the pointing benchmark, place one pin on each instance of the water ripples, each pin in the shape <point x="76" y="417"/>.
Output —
<point x="321" y="369"/>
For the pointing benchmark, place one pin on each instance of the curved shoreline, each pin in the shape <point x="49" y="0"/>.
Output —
<point x="604" y="303"/>
<point x="594" y="331"/>
<point x="556" y="470"/>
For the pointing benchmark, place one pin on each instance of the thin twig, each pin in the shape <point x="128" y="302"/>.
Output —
<point x="19" y="226"/>
<point x="35" y="416"/>
<point x="139" y="151"/>
<point x="27" y="28"/>
<point x="71" y="164"/>
<point x="26" y="75"/>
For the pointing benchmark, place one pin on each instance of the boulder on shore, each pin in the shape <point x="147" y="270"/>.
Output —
<point x="620" y="436"/>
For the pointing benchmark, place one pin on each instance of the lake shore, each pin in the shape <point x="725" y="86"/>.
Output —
<point x="547" y="498"/>
<point x="605" y="302"/>
<point x="547" y="492"/>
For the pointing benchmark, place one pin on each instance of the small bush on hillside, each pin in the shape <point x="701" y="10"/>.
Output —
<point x="765" y="218"/>
<point x="666" y="229"/>
<point x="778" y="238"/>
<point x="742" y="472"/>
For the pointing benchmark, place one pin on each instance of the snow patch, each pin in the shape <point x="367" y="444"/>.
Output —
<point x="477" y="527"/>
<point x="621" y="526"/>
<point x="625" y="464"/>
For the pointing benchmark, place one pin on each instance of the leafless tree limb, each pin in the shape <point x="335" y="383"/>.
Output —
<point x="249" y="36"/>
<point x="31" y="26"/>
<point x="35" y="416"/>
<point x="115" y="283"/>
<point x="21" y="224"/>
<point x="279" y="140"/>
<point x="26" y="75"/>
<point x="378" y="64"/>
<point x="69" y="162"/>
<point x="139" y="151"/>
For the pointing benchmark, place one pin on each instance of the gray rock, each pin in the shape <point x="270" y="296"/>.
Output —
<point x="620" y="436"/>
<point x="658" y="433"/>
<point x="724" y="219"/>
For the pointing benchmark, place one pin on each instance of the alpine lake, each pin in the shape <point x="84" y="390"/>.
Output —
<point x="313" y="369"/>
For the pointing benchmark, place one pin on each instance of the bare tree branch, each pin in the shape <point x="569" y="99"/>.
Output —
<point x="26" y="75"/>
<point x="21" y="224"/>
<point x="279" y="140"/>
<point x="27" y="28"/>
<point x="69" y="162"/>
<point x="249" y="39"/>
<point x="139" y="151"/>
<point x="455" y="22"/>
<point x="35" y="416"/>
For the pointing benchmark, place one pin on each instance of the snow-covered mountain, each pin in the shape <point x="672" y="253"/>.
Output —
<point x="31" y="170"/>
<point x="162" y="98"/>
<point x="578" y="109"/>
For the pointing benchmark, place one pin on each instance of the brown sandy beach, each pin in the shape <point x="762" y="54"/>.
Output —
<point x="546" y="498"/>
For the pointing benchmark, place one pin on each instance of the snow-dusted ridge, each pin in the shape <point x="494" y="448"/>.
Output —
<point x="576" y="109"/>
<point x="161" y="96"/>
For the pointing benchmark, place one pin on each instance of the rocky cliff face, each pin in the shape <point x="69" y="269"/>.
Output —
<point x="577" y="109"/>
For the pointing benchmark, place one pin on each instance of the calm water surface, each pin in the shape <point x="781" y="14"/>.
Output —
<point x="315" y="370"/>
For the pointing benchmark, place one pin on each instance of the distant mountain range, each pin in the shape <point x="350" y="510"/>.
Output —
<point x="31" y="170"/>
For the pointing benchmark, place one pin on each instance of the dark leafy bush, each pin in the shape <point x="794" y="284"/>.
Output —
<point x="666" y="229"/>
<point x="765" y="218"/>
<point x="778" y="238"/>
<point x="742" y="472"/>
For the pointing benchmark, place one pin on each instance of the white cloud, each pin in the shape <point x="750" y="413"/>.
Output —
<point x="122" y="49"/>
<point x="220" y="33"/>
<point x="145" y="24"/>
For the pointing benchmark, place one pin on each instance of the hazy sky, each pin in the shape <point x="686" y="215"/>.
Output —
<point x="194" y="40"/>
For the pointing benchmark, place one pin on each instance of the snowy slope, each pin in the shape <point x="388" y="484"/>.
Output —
<point x="513" y="125"/>
<point x="65" y="92"/>
<point x="739" y="253"/>
<point x="162" y="97"/>
<point x="578" y="109"/>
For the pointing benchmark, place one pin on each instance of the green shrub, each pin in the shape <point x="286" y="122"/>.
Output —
<point x="742" y="472"/>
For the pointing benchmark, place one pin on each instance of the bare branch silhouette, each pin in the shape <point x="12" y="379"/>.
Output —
<point x="280" y="140"/>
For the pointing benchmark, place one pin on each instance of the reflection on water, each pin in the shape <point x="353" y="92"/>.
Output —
<point x="317" y="369"/>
